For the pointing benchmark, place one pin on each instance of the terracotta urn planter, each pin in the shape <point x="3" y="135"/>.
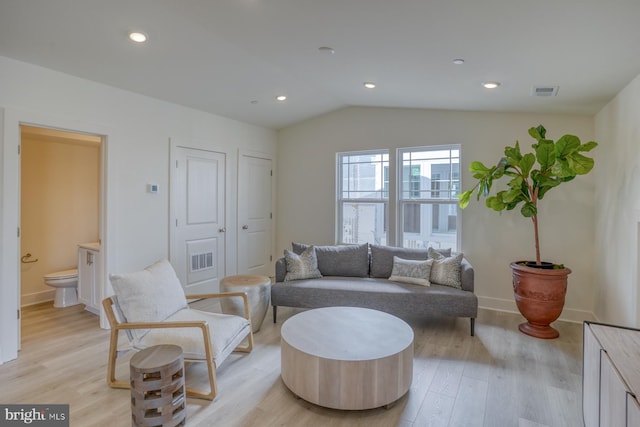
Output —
<point x="539" y="295"/>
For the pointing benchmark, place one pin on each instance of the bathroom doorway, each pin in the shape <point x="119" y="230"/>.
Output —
<point x="60" y="204"/>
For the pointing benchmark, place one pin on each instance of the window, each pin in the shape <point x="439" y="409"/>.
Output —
<point x="428" y="180"/>
<point x="427" y="200"/>
<point x="363" y="196"/>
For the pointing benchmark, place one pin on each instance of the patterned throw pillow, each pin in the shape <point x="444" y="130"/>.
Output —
<point x="303" y="266"/>
<point x="411" y="271"/>
<point x="446" y="270"/>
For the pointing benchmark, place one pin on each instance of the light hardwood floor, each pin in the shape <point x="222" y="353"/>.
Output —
<point x="498" y="378"/>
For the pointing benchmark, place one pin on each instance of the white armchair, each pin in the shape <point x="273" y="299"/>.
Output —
<point x="151" y="307"/>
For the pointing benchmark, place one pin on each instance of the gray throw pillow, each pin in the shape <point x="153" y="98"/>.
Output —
<point x="411" y="271"/>
<point x="446" y="270"/>
<point x="340" y="260"/>
<point x="382" y="258"/>
<point x="303" y="266"/>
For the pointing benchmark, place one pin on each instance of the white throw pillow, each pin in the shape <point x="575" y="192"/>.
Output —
<point x="446" y="270"/>
<point x="303" y="266"/>
<point x="150" y="295"/>
<point x="416" y="272"/>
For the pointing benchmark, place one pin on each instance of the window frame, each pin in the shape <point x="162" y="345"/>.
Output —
<point x="340" y="200"/>
<point x="391" y="193"/>
<point x="401" y="201"/>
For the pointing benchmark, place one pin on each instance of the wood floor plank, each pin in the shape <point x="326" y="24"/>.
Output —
<point x="459" y="380"/>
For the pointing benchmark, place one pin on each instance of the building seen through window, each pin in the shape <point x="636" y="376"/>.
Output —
<point x="426" y="205"/>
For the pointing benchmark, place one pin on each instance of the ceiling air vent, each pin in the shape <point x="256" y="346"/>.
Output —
<point x="544" y="90"/>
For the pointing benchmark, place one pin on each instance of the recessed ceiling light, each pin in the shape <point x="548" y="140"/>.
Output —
<point x="491" y="85"/>
<point x="326" y="49"/>
<point x="369" y="85"/>
<point x="458" y="61"/>
<point x="138" y="37"/>
<point x="281" y="98"/>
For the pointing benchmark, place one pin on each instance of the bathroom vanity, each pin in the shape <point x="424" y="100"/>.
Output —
<point x="90" y="276"/>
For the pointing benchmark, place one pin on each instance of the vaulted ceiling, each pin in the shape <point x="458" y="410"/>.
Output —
<point x="232" y="58"/>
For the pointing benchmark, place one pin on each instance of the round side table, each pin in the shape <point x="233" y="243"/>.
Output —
<point x="258" y="289"/>
<point x="157" y="387"/>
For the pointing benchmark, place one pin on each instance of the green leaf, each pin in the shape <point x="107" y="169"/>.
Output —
<point x="528" y="210"/>
<point x="538" y="133"/>
<point x="588" y="146"/>
<point x="544" y="183"/>
<point x="545" y="154"/>
<point x="561" y="169"/>
<point x="478" y="168"/>
<point x="464" y="198"/>
<point x="527" y="163"/>
<point x="495" y="203"/>
<point x="512" y="153"/>
<point x="514" y="195"/>
<point x="567" y="145"/>
<point x="580" y="164"/>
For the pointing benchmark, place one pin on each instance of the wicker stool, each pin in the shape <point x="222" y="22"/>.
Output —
<point x="157" y="387"/>
<point x="258" y="289"/>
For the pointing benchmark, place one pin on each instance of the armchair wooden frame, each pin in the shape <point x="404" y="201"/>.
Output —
<point x="117" y="326"/>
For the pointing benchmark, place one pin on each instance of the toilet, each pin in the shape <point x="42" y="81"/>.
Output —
<point x="66" y="284"/>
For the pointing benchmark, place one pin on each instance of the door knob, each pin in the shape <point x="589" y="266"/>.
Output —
<point x="245" y="227"/>
<point x="222" y="230"/>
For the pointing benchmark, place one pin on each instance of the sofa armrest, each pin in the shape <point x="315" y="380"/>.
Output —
<point x="281" y="270"/>
<point x="466" y="275"/>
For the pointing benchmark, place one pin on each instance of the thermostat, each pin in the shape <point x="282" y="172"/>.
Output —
<point x="152" y="188"/>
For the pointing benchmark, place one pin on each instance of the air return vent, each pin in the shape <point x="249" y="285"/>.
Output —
<point x="544" y="90"/>
<point x="201" y="261"/>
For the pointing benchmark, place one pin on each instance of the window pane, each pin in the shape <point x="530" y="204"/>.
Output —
<point x="363" y="176"/>
<point x="429" y="224"/>
<point x="411" y="214"/>
<point x="430" y="174"/>
<point x="364" y="222"/>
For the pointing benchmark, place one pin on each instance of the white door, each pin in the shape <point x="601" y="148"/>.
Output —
<point x="198" y="206"/>
<point x="254" y="216"/>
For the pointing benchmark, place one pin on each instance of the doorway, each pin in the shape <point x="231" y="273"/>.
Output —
<point x="60" y="204"/>
<point x="255" y="218"/>
<point x="198" y="203"/>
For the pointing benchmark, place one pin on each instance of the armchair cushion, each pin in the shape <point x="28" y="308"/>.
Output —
<point x="226" y="331"/>
<point x="149" y="295"/>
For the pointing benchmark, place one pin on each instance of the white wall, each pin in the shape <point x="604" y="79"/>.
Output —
<point x="306" y="190"/>
<point x="138" y="130"/>
<point x="618" y="209"/>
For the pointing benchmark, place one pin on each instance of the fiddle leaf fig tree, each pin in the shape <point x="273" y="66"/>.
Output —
<point x="530" y="176"/>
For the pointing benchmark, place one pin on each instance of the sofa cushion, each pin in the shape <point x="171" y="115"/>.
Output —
<point x="382" y="258"/>
<point x="411" y="271"/>
<point x="401" y="299"/>
<point x="340" y="260"/>
<point x="446" y="270"/>
<point x="303" y="266"/>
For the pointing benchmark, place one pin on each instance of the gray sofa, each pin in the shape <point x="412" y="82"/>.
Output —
<point x="358" y="276"/>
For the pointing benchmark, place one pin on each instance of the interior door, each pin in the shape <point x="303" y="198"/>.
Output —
<point x="198" y="206"/>
<point x="254" y="216"/>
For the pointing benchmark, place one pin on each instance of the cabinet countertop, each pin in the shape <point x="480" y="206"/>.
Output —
<point x="94" y="246"/>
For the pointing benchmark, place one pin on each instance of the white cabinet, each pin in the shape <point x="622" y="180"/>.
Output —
<point x="89" y="276"/>
<point x="611" y="376"/>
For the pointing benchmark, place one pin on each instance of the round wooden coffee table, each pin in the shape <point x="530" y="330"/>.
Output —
<point x="347" y="357"/>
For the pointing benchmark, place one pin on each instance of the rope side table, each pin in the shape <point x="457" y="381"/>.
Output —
<point x="258" y="289"/>
<point x="157" y="387"/>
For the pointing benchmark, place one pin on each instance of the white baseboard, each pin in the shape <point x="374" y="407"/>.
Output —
<point x="568" y="314"/>
<point x="37" y="297"/>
